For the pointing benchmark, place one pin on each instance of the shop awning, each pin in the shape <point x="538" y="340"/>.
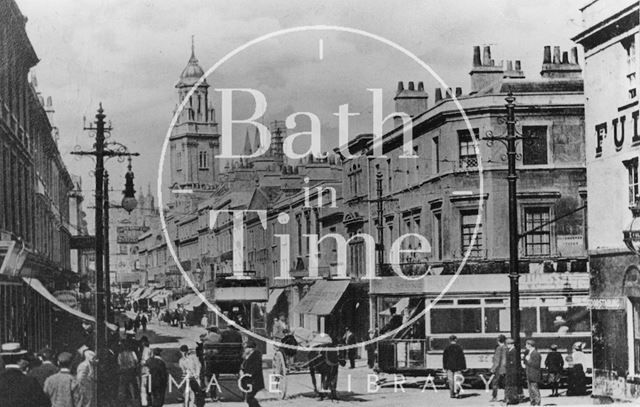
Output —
<point x="195" y="301"/>
<point x="322" y="297"/>
<point x="135" y="293"/>
<point x="160" y="295"/>
<point x="183" y="300"/>
<point x="399" y="306"/>
<point x="42" y="290"/>
<point x="147" y="293"/>
<point x="273" y="298"/>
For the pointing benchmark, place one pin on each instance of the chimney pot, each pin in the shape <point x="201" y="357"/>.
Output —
<point x="518" y="67"/>
<point x="476" y="56"/>
<point x="556" y="54"/>
<point x="400" y="86"/>
<point x="448" y="93"/>
<point x="565" y="57"/>
<point x="421" y="86"/>
<point x="438" y="95"/>
<point x="487" y="55"/>
<point x="547" y="55"/>
<point x="574" y="55"/>
<point x="493" y="63"/>
<point x="411" y="86"/>
<point x="509" y="65"/>
<point x="458" y="92"/>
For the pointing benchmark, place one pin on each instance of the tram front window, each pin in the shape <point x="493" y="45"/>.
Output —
<point x="455" y="320"/>
<point x="563" y="319"/>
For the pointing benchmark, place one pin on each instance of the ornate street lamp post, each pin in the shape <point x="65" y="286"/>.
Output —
<point x="510" y="143"/>
<point x="101" y="191"/>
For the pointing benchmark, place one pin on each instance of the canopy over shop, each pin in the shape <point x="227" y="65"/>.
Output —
<point x="332" y="305"/>
<point x="67" y="330"/>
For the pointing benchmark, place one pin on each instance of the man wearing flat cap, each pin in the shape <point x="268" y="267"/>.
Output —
<point x="62" y="387"/>
<point x="16" y="388"/>
<point x="512" y="378"/>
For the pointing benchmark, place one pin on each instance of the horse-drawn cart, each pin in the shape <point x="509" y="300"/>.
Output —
<point x="325" y="363"/>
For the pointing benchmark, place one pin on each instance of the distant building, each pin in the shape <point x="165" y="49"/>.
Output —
<point x="612" y="58"/>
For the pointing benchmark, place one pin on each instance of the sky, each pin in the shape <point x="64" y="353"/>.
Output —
<point x="129" y="55"/>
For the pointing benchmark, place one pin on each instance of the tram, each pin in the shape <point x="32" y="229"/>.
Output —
<point x="476" y="308"/>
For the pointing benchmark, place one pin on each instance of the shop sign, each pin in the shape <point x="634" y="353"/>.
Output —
<point x="130" y="234"/>
<point x="606" y="303"/>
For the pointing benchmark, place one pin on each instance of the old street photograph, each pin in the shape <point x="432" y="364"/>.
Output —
<point x="303" y="203"/>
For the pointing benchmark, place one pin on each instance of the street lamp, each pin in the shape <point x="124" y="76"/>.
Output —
<point x="509" y="140"/>
<point x="129" y="202"/>
<point x="100" y="152"/>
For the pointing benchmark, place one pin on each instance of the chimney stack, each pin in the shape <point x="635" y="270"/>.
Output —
<point x="547" y="55"/>
<point x="509" y="65"/>
<point x="411" y="101"/>
<point x="518" y="67"/>
<point x="487" y="55"/>
<point x="556" y="54"/>
<point x="448" y="94"/>
<point x="476" y="56"/>
<point x="439" y="93"/>
<point x="484" y="71"/>
<point x="574" y="56"/>
<point x="563" y="65"/>
<point x="458" y="92"/>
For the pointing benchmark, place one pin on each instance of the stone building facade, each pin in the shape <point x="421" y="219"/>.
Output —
<point x="35" y="186"/>
<point x="612" y="58"/>
<point x="461" y="213"/>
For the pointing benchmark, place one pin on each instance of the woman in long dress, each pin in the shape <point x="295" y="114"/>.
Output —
<point x="86" y="378"/>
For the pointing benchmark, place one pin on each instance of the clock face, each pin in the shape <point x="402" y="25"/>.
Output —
<point x="294" y="109"/>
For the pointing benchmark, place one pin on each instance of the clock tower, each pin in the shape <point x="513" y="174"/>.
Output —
<point x="194" y="141"/>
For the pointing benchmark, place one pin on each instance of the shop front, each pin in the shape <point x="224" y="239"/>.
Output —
<point x="330" y="306"/>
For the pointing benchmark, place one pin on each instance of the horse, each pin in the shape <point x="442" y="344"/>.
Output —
<point x="326" y="363"/>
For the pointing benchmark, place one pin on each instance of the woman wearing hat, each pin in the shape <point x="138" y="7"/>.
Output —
<point x="554" y="365"/>
<point x="577" y="380"/>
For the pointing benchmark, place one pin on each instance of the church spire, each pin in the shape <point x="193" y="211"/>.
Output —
<point x="256" y="140"/>
<point x="247" y="145"/>
<point x="193" y="48"/>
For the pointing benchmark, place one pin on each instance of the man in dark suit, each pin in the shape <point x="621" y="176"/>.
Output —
<point x="159" y="378"/>
<point x="453" y="361"/>
<point x="394" y="323"/>
<point x="252" y="374"/>
<point x="532" y="362"/>
<point x="512" y="376"/>
<point x="499" y="367"/>
<point x="16" y="388"/>
<point x="350" y="339"/>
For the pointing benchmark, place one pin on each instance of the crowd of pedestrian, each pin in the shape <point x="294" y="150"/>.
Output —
<point x="509" y="370"/>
